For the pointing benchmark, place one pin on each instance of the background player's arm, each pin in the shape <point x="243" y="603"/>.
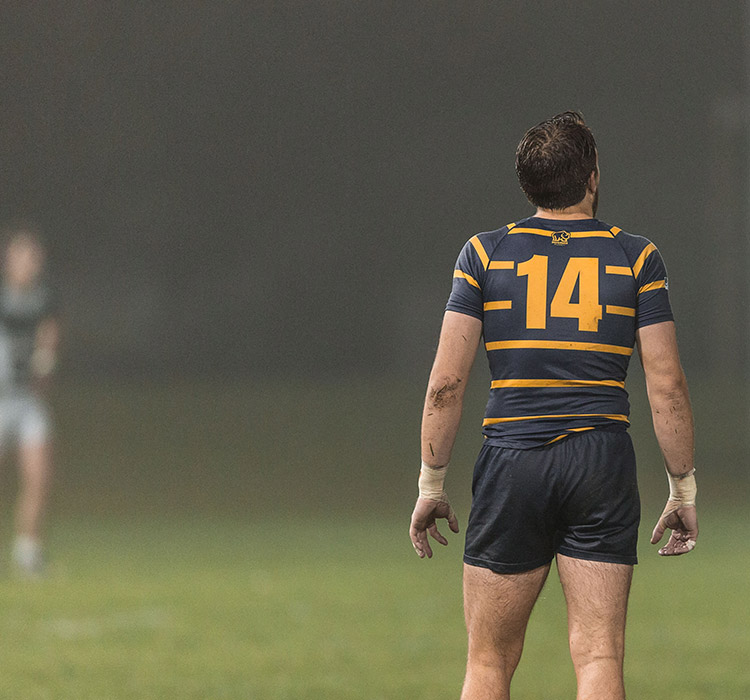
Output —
<point x="44" y="357"/>
<point x="673" y="424"/>
<point x="459" y="339"/>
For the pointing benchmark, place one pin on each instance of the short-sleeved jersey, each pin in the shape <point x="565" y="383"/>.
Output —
<point x="560" y="302"/>
<point x="21" y="312"/>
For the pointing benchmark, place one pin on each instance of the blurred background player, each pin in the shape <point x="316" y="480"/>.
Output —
<point x="29" y="333"/>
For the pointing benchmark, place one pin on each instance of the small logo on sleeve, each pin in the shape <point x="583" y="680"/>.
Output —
<point x="560" y="237"/>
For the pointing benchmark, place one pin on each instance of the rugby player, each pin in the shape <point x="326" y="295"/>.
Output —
<point x="561" y="299"/>
<point x="28" y="347"/>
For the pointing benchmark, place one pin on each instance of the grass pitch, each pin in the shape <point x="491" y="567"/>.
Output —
<point x="334" y="608"/>
<point x="205" y="547"/>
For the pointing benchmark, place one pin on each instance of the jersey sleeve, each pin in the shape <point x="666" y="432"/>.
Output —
<point x="653" y="296"/>
<point x="468" y="277"/>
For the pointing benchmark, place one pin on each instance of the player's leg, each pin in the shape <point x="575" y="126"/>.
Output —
<point x="35" y="473"/>
<point x="497" y="609"/>
<point x="598" y="547"/>
<point x="510" y="543"/>
<point x="597" y="597"/>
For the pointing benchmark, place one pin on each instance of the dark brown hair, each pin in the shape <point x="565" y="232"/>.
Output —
<point x="554" y="161"/>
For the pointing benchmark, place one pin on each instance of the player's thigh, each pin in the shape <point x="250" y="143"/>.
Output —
<point x="596" y="594"/>
<point x="497" y="606"/>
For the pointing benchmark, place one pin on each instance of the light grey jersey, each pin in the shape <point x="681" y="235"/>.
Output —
<point x="21" y="312"/>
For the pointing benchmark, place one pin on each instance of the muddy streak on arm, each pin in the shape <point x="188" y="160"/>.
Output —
<point x="446" y="393"/>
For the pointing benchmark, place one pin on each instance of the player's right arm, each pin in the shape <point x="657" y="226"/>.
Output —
<point x="457" y="348"/>
<point x="459" y="340"/>
<point x="673" y="424"/>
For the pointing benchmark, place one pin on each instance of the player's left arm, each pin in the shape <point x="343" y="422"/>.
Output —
<point x="46" y="343"/>
<point x="673" y="425"/>
<point x="457" y="348"/>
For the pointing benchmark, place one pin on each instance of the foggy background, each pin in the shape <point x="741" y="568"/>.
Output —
<point x="239" y="191"/>
<point x="253" y="210"/>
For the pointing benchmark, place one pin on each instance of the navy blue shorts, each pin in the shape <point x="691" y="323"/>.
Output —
<point x="578" y="497"/>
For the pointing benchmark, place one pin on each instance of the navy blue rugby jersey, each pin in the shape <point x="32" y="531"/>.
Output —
<point x="560" y="302"/>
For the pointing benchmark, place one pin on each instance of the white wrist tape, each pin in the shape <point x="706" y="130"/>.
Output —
<point x="682" y="488"/>
<point x="431" y="481"/>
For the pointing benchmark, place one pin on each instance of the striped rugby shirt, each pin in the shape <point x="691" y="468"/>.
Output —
<point x="560" y="302"/>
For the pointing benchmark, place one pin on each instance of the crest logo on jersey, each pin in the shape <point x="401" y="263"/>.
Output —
<point x="560" y="237"/>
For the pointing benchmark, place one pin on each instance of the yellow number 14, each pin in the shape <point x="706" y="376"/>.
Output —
<point x="583" y="272"/>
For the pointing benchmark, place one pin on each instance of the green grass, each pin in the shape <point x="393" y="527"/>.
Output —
<point x="241" y="542"/>
<point x="332" y="608"/>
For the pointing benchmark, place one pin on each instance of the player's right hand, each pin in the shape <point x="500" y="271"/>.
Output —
<point x="426" y="511"/>
<point x="683" y="522"/>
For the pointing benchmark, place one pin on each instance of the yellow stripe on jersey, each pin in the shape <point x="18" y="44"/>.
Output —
<point x="538" y="383"/>
<point x="620" y="310"/>
<point x="564" y="435"/>
<point x="573" y="234"/>
<point x="481" y="252"/>
<point x="591" y="234"/>
<point x="557" y="345"/>
<point x="618" y="270"/>
<point x="502" y="265"/>
<point x="659" y="284"/>
<point x="497" y="305"/>
<point x="510" y="226"/>
<point x="650" y="248"/>
<point x="610" y="416"/>
<point x="559" y="437"/>
<point x="462" y="275"/>
<point x="615" y="230"/>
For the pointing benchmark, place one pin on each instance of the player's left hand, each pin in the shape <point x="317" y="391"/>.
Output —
<point x="683" y="522"/>
<point x="426" y="511"/>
